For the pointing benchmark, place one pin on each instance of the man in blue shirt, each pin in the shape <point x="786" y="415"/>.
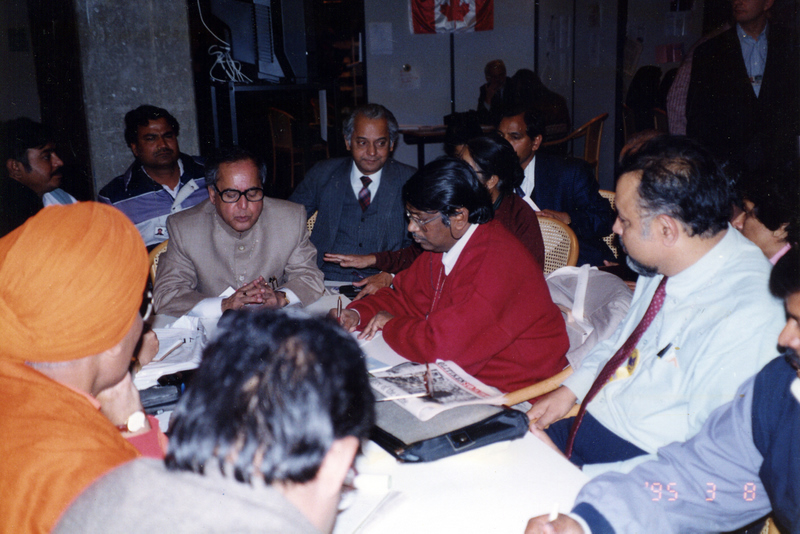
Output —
<point x="161" y="181"/>
<point x="743" y="464"/>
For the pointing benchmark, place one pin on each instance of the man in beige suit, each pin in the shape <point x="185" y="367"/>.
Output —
<point x="236" y="239"/>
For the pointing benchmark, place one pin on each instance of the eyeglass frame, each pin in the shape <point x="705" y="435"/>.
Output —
<point x="422" y="224"/>
<point x="240" y="194"/>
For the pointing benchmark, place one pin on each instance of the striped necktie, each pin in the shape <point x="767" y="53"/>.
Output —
<point x="364" y="194"/>
<point x="613" y="364"/>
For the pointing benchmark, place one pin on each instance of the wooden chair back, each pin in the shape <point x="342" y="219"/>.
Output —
<point x="660" y="120"/>
<point x="560" y="244"/>
<point x="592" y="132"/>
<point x="311" y="221"/>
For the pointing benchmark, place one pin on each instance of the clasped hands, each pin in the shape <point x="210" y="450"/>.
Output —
<point x="258" y="292"/>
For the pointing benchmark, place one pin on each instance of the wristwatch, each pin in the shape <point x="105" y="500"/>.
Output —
<point x="135" y="422"/>
<point x="285" y="297"/>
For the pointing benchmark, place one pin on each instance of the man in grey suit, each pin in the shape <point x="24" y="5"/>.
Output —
<point x="358" y="199"/>
<point x="236" y="239"/>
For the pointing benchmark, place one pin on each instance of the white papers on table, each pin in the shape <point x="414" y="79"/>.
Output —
<point x="451" y="386"/>
<point x="379" y="355"/>
<point x="192" y="335"/>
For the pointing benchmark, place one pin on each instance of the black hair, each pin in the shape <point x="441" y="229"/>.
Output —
<point x="534" y="123"/>
<point x="445" y="185"/>
<point x="680" y="178"/>
<point x="18" y="136"/>
<point x="784" y="280"/>
<point x="776" y="200"/>
<point x="232" y="155"/>
<point x="274" y="390"/>
<point x="372" y="112"/>
<point x="461" y="127"/>
<point x="496" y="157"/>
<point x="142" y="116"/>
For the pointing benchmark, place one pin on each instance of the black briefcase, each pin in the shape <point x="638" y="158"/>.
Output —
<point x="453" y="431"/>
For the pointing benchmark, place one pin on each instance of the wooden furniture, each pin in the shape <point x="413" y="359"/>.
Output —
<point x="280" y="129"/>
<point x="592" y="132"/>
<point x="424" y="135"/>
<point x="560" y="244"/>
<point x="157" y="251"/>
<point x="611" y="239"/>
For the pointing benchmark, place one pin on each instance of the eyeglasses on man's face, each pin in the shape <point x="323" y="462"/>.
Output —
<point x="419" y="222"/>
<point x="231" y="196"/>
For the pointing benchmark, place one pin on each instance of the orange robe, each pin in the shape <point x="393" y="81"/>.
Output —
<point x="53" y="444"/>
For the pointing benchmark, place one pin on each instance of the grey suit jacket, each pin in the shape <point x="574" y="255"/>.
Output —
<point x="205" y="256"/>
<point x="323" y="190"/>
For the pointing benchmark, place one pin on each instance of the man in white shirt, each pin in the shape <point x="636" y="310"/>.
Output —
<point x="561" y="188"/>
<point x="716" y="328"/>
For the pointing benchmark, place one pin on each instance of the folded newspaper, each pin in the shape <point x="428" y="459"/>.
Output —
<point x="450" y="386"/>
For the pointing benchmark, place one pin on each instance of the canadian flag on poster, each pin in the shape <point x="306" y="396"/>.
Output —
<point x="451" y="16"/>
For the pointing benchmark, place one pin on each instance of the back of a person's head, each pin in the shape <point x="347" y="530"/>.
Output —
<point x="461" y="127"/>
<point x="496" y="157"/>
<point x="784" y="280"/>
<point x="19" y="135"/>
<point x="274" y="390"/>
<point x="680" y="178"/>
<point x="372" y="112"/>
<point x="775" y="197"/>
<point x="142" y="116"/>
<point x="445" y="185"/>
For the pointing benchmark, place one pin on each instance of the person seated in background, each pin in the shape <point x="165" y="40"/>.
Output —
<point x="528" y="92"/>
<point x="32" y="173"/>
<point x="161" y="180"/>
<point x="700" y="323"/>
<point x="770" y="215"/>
<point x="262" y="441"/>
<point x="475" y="296"/>
<point x="495" y="96"/>
<point x="743" y="464"/>
<point x="237" y="239"/>
<point x="357" y="199"/>
<point x="71" y="282"/>
<point x="561" y="188"/>
<point x="497" y="167"/>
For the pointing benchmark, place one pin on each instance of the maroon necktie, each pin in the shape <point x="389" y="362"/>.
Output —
<point x="613" y="364"/>
<point x="363" y="195"/>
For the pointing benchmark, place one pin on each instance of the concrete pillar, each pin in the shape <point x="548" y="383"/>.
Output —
<point x="133" y="53"/>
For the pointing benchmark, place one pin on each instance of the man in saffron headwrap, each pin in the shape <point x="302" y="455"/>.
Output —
<point x="71" y="283"/>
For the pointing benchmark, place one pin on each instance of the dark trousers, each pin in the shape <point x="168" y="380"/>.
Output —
<point x="594" y="443"/>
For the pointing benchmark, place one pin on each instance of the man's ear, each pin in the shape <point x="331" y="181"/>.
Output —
<point x="459" y="222"/>
<point x="14" y="168"/>
<point x="347" y="143"/>
<point x="134" y="149"/>
<point x="492" y="182"/>
<point x="336" y="464"/>
<point x="537" y="142"/>
<point x="212" y="194"/>
<point x="668" y="229"/>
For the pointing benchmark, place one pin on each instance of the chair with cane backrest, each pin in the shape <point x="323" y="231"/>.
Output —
<point x="611" y="239"/>
<point x="154" y="255"/>
<point x="560" y="244"/>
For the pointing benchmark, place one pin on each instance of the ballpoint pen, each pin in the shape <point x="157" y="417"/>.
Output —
<point x="339" y="309"/>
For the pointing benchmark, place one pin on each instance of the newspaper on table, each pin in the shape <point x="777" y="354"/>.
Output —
<point x="451" y="387"/>
<point x="180" y="347"/>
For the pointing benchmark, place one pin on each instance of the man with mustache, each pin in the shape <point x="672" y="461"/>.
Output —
<point x="161" y="180"/>
<point x="33" y="173"/>
<point x="743" y="464"/>
<point x="700" y="323"/>
<point x="475" y="296"/>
